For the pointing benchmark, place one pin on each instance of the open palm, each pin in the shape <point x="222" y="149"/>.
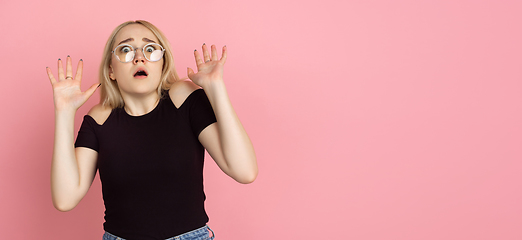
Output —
<point x="66" y="90"/>
<point x="210" y="68"/>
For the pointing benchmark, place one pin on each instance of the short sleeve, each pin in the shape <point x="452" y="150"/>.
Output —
<point x="201" y="112"/>
<point x="87" y="135"/>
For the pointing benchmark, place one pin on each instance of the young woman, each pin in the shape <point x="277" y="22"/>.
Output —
<point x="147" y="137"/>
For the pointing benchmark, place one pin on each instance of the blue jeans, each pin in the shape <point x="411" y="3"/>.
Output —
<point x="201" y="233"/>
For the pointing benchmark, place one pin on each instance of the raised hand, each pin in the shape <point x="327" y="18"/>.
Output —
<point x="210" y="68"/>
<point x="66" y="90"/>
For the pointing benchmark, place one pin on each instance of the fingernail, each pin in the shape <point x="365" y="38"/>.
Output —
<point x="68" y="56"/>
<point x="195" y="50"/>
<point x="203" y="43"/>
<point x="81" y="60"/>
<point x="59" y="59"/>
<point x="98" y="85"/>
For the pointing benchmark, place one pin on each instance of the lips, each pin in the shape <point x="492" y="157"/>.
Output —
<point x="141" y="72"/>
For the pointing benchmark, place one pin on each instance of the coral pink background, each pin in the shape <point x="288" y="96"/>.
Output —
<point x="371" y="119"/>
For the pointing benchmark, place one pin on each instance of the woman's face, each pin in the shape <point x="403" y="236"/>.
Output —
<point x="131" y="80"/>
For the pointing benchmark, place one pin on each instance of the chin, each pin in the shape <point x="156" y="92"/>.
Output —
<point x="139" y="87"/>
<point x="139" y="90"/>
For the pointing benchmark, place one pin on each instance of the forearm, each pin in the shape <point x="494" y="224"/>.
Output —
<point x="64" y="168"/>
<point x="236" y="146"/>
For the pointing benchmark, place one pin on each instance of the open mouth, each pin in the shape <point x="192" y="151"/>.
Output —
<point x="140" y="72"/>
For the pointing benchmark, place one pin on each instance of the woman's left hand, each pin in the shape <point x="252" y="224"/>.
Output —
<point x="210" y="68"/>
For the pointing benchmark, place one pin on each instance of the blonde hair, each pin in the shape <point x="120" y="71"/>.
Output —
<point x="110" y="93"/>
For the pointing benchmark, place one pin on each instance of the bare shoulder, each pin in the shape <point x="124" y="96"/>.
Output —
<point x="100" y="113"/>
<point x="180" y="90"/>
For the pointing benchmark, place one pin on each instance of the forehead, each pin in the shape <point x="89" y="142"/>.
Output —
<point x="135" y="31"/>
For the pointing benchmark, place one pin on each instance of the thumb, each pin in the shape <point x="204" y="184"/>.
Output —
<point x="190" y="73"/>
<point x="92" y="89"/>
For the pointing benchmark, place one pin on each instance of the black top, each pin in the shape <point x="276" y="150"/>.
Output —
<point x="151" y="167"/>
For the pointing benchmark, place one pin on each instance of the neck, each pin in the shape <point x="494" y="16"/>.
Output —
<point x="137" y="105"/>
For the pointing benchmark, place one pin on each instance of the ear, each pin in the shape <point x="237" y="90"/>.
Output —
<point x="111" y="73"/>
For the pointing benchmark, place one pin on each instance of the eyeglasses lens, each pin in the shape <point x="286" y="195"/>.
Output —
<point x="153" y="52"/>
<point x="124" y="53"/>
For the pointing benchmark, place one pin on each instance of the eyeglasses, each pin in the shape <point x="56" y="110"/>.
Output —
<point x="125" y="53"/>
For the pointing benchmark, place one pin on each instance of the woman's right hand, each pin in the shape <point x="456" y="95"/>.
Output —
<point x="66" y="90"/>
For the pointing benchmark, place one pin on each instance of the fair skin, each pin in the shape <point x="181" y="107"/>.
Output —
<point x="73" y="169"/>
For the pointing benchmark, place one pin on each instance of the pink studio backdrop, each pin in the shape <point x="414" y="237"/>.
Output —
<point x="371" y="119"/>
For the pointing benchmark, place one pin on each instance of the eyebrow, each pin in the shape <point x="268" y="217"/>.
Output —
<point x="126" y="40"/>
<point x="132" y="39"/>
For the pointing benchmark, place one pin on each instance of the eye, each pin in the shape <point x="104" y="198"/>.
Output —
<point x="125" y="49"/>
<point x="150" y="49"/>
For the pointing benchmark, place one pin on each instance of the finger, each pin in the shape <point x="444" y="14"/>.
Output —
<point x="91" y="90"/>
<point x="190" y="72"/>
<point x="198" y="58"/>
<point x="206" y="55"/>
<point x="69" y="67"/>
<point x="50" y="75"/>
<point x="213" y="50"/>
<point x="79" y="70"/>
<point x="60" y="70"/>
<point x="224" y="55"/>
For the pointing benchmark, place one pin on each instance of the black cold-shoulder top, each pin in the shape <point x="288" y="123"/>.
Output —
<point x="151" y="167"/>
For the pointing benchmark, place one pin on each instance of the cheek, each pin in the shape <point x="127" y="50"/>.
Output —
<point x="113" y="66"/>
<point x="158" y="68"/>
<point x="118" y="68"/>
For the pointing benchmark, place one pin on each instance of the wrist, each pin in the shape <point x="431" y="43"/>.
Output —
<point x="214" y="85"/>
<point x="65" y="112"/>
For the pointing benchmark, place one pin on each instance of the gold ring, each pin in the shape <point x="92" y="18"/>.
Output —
<point x="68" y="77"/>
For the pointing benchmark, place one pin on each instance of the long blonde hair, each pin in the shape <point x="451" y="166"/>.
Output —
<point x="110" y="93"/>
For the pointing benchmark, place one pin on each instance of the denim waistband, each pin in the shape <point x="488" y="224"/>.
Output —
<point x="201" y="233"/>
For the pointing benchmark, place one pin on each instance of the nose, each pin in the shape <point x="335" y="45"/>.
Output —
<point x="139" y="57"/>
